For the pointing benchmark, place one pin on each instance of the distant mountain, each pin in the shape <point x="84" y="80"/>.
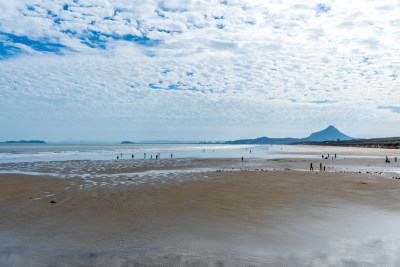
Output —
<point x="265" y="140"/>
<point x="83" y="142"/>
<point x="24" y="142"/>
<point x="328" y="134"/>
<point x="126" y="143"/>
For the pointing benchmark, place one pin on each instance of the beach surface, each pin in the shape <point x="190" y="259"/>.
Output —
<point x="203" y="212"/>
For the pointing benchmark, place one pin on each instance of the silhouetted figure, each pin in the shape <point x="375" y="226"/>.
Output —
<point x="144" y="155"/>
<point x="311" y="167"/>
<point x="151" y="156"/>
<point x="242" y="159"/>
<point x="172" y="155"/>
<point x="324" y="167"/>
<point x="322" y="156"/>
<point x="117" y="157"/>
<point x="320" y="167"/>
<point x="133" y="156"/>
<point x="335" y="155"/>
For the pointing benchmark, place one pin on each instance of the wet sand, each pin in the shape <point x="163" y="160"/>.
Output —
<point x="215" y="212"/>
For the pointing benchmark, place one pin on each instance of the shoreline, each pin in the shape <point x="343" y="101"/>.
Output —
<point x="286" y="216"/>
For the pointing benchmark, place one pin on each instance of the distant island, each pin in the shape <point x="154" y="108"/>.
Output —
<point x="328" y="134"/>
<point x="163" y="142"/>
<point x="126" y="142"/>
<point x="24" y="142"/>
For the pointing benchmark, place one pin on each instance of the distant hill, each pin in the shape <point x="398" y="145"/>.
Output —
<point x="24" y="142"/>
<point x="386" y="142"/>
<point x="83" y="142"/>
<point x="126" y="143"/>
<point x="328" y="134"/>
<point x="167" y="142"/>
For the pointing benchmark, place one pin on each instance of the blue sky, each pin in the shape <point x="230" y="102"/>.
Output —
<point x="197" y="70"/>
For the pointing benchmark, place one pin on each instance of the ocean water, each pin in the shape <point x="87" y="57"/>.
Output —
<point x="50" y="152"/>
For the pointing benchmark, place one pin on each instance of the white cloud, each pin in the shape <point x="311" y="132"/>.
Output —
<point x="254" y="62"/>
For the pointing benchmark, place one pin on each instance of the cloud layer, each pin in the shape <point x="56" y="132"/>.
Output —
<point x="199" y="69"/>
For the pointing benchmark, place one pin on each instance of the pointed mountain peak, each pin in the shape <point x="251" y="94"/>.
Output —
<point x="331" y="133"/>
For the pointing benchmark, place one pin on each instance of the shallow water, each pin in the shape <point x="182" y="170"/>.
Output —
<point x="355" y="236"/>
<point x="47" y="152"/>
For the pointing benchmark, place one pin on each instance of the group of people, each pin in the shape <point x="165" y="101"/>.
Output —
<point x="388" y="161"/>
<point x="321" y="167"/>
<point x="328" y="156"/>
<point x="158" y="155"/>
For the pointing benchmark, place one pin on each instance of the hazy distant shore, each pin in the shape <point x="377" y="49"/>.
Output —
<point x="187" y="212"/>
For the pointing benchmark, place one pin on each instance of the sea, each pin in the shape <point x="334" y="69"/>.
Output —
<point x="121" y="163"/>
<point x="58" y="152"/>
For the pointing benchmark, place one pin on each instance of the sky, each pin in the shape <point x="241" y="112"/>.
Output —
<point x="118" y="70"/>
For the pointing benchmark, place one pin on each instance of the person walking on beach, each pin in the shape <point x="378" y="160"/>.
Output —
<point x="172" y="155"/>
<point x="311" y="167"/>
<point x="242" y="159"/>
<point x="320" y="167"/>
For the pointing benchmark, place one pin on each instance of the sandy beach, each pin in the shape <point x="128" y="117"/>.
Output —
<point x="203" y="212"/>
